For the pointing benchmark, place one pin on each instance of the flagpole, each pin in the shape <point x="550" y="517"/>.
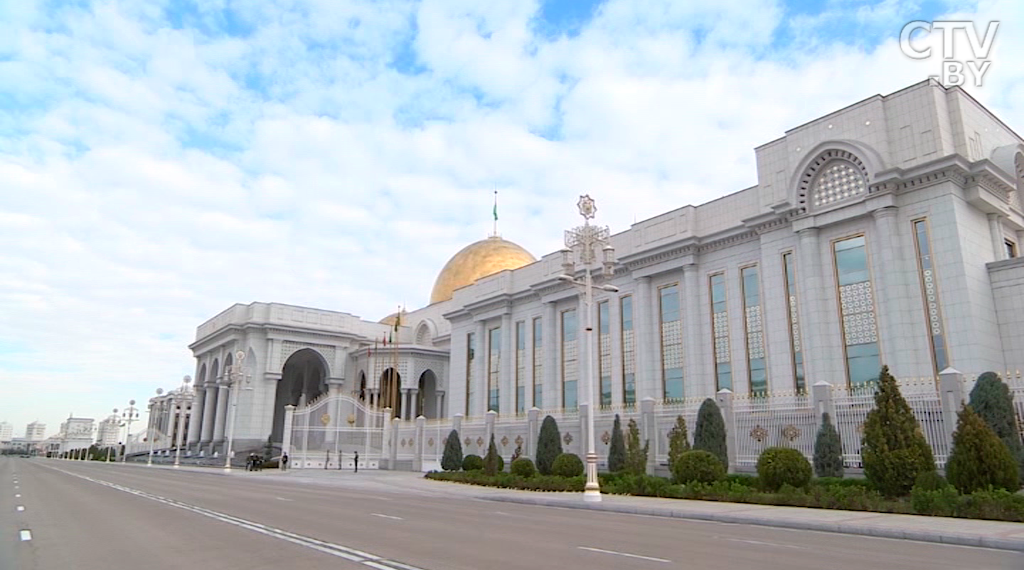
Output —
<point x="495" y="212"/>
<point x="394" y="363"/>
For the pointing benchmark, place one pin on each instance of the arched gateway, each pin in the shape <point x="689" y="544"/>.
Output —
<point x="303" y="379"/>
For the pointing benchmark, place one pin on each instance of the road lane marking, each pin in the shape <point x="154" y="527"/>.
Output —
<point x="602" y="551"/>
<point x="26" y="535"/>
<point x="17" y="495"/>
<point x="283" y="499"/>
<point x="387" y="516"/>
<point x="758" y="542"/>
<point x="20" y="508"/>
<point x="364" y="558"/>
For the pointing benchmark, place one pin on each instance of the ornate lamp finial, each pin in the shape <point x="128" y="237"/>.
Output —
<point x="587" y="207"/>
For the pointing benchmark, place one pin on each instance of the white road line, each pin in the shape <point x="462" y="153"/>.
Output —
<point x="283" y="499"/>
<point x="651" y="558"/>
<point x="364" y="558"/>
<point x="387" y="516"/>
<point x="20" y="508"/>
<point x="26" y="535"/>
<point x="17" y="495"/>
<point x="758" y="542"/>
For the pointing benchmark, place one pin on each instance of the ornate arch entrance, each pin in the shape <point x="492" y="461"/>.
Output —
<point x="303" y="379"/>
<point x="428" y="400"/>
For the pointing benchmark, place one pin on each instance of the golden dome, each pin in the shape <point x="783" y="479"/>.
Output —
<point x="477" y="260"/>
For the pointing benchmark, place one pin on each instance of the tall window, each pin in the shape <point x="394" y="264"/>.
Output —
<point x="671" y="343"/>
<point x="752" y="320"/>
<point x="795" y="345"/>
<point x="628" y="351"/>
<point x="604" y="361"/>
<point x="538" y="364"/>
<point x="720" y="332"/>
<point x="520" y="367"/>
<point x="857" y="310"/>
<point x="470" y="357"/>
<point x="932" y="306"/>
<point x="570" y="363"/>
<point x="493" y="369"/>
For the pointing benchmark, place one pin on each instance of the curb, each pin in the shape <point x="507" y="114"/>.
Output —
<point x="1016" y="545"/>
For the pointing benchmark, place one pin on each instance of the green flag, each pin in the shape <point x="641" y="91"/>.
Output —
<point x="495" y="211"/>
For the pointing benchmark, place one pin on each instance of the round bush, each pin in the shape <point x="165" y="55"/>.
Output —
<point x="523" y="467"/>
<point x="567" y="465"/>
<point x="698" y="466"/>
<point x="472" y="463"/>
<point x="780" y="466"/>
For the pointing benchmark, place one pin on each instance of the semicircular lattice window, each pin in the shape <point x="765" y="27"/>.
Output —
<point x="836" y="182"/>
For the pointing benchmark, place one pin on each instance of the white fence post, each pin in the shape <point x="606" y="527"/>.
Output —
<point x="649" y="433"/>
<point x="952" y="398"/>
<point x="532" y="432"/>
<point x="289" y="419"/>
<point x="386" y="443"/>
<point x="393" y="456"/>
<point x="724" y="399"/>
<point x="417" y="459"/>
<point x="489" y="419"/>
<point x="821" y="395"/>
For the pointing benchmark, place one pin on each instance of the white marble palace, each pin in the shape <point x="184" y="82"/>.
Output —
<point x="885" y="232"/>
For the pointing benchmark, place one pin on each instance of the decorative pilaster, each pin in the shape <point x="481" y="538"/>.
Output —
<point x="645" y="325"/>
<point x="695" y="382"/>
<point x="478" y="407"/>
<point x="506" y="383"/>
<point x="809" y="283"/>
<point x="995" y="231"/>
<point x="892" y="299"/>
<point x="552" y="348"/>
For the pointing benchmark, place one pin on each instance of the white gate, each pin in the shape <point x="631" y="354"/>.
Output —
<point x="329" y="432"/>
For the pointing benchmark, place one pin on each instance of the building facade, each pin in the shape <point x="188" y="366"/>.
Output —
<point x="108" y="432"/>
<point x="169" y="413"/>
<point x="6" y="432"/>
<point x="887" y="232"/>
<point x="35" y="431"/>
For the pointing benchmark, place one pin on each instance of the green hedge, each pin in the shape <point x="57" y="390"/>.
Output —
<point x="778" y="466"/>
<point x="567" y="465"/>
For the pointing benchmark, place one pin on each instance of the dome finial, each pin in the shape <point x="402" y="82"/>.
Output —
<point x="495" y="234"/>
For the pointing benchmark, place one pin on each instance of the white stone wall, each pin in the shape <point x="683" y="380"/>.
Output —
<point x="1008" y="290"/>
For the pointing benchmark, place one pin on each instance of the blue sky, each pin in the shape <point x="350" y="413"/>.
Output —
<point x="162" y="160"/>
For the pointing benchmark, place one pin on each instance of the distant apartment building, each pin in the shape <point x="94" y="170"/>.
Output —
<point x="35" y="431"/>
<point x="6" y="432"/>
<point x="108" y="433"/>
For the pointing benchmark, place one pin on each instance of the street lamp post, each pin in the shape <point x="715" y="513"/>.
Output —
<point x="583" y="240"/>
<point x="235" y="374"/>
<point x="107" y="436"/>
<point x="149" y="429"/>
<point x="129" y="415"/>
<point x="179" y="405"/>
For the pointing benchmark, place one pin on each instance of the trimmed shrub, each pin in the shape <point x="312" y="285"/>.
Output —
<point x="549" y="445"/>
<point x="473" y="463"/>
<point x="992" y="401"/>
<point x="940" y="502"/>
<point x="697" y="466"/>
<point x="709" y="435"/>
<point x="636" y="456"/>
<point x="979" y="459"/>
<point x="452" y="458"/>
<point x="828" y="450"/>
<point x="930" y="481"/>
<point x="493" y="462"/>
<point x="617" y="449"/>
<point x="567" y="465"/>
<point x="678" y="440"/>
<point x="778" y="466"/>
<point x="894" y="451"/>
<point x="523" y="467"/>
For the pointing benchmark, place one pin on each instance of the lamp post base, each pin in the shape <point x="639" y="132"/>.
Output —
<point x="592" y="490"/>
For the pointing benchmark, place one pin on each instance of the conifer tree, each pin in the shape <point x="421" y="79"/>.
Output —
<point x="452" y="458"/>
<point x="617" y="449"/>
<point x="828" y="450"/>
<point x="979" y="458"/>
<point x="549" y="445"/>
<point x="636" y="456"/>
<point x="491" y="460"/>
<point x="893" y="450"/>
<point x="992" y="401"/>
<point x="678" y="441"/>
<point x="709" y="435"/>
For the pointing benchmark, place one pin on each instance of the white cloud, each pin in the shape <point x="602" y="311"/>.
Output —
<point x="153" y="175"/>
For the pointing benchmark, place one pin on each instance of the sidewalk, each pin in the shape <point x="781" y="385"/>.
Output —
<point x="965" y="532"/>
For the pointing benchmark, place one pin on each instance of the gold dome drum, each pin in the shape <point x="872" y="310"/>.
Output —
<point x="475" y="261"/>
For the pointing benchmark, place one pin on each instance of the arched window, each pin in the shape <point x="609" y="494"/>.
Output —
<point x="834" y="176"/>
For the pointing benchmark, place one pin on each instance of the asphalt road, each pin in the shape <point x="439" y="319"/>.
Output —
<point x="91" y="516"/>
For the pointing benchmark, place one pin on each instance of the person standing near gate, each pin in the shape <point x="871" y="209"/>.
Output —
<point x="284" y="462"/>
<point x="356" y="462"/>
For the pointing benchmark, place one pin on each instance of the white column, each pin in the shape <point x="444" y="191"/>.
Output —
<point x="222" y="413"/>
<point x="995" y="230"/>
<point x="890" y="276"/>
<point x="209" y="411"/>
<point x="528" y="379"/>
<point x="695" y="382"/>
<point x="478" y="407"/>
<point x="812" y="314"/>
<point x="615" y="339"/>
<point x="195" y="424"/>
<point x="645" y="324"/>
<point x="552" y="348"/>
<point x="506" y="374"/>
